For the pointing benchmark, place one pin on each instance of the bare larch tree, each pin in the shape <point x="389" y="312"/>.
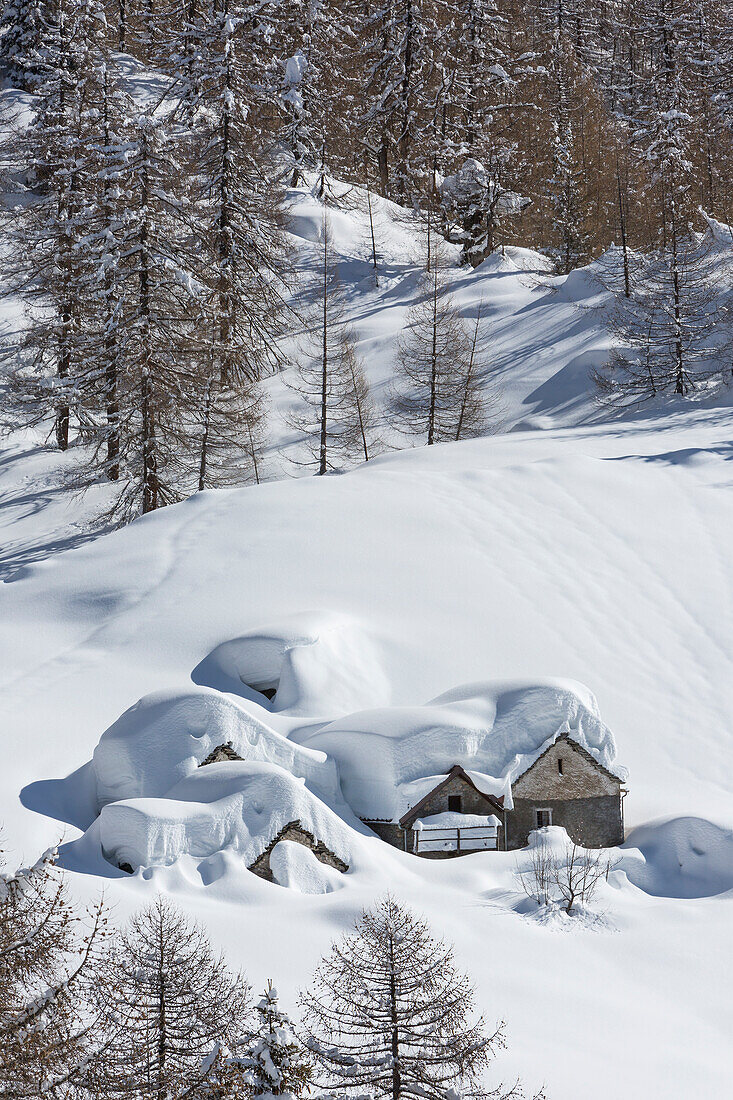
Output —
<point x="388" y="1012"/>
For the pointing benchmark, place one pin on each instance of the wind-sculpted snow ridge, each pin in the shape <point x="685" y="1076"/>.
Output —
<point x="235" y="806"/>
<point x="164" y="737"/>
<point x="316" y="664"/>
<point x="389" y="758"/>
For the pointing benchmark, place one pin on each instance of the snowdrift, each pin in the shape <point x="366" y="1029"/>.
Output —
<point x="389" y="758"/>
<point x="240" y="807"/>
<point x="305" y="660"/>
<point x="165" y="736"/>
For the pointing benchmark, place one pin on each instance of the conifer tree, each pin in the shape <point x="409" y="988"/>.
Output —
<point x="173" y="1008"/>
<point x="234" y="209"/>
<point x="48" y="230"/>
<point x="388" y="1013"/>
<point x="668" y="334"/>
<point x="436" y="391"/>
<point x="339" y="419"/>
<point x="23" y="28"/>
<point x="278" y="1062"/>
<point x="49" y="1031"/>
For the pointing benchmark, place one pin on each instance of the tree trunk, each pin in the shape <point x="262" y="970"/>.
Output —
<point x="110" y="343"/>
<point x="149" y="455"/>
<point x="395" y="1034"/>
<point x="433" y="362"/>
<point x="322" y="466"/>
<point x="204" y="454"/>
<point x="624" y="241"/>
<point x="680" y="375"/>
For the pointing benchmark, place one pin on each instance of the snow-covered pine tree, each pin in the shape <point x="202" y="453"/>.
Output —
<point x="104" y="291"/>
<point x="566" y="183"/>
<point x="337" y="417"/>
<point x="22" y="27"/>
<point x="236" y="248"/>
<point x="709" y="62"/>
<point x="48" y="962"/>
<point x="387" y="1013"/>
<point x="403" y="49"/>
<point x="183" y="41"/>
<point x="47" y="231"/>
<point x="477" y="85"/>
<point x="279" y="1064"/>
<point x="158" y="312"/>
<point x="172" y="1006"/>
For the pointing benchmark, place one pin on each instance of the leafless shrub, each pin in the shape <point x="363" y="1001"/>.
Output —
<point x="537" y="879"/>
<point x="566" y="879"/>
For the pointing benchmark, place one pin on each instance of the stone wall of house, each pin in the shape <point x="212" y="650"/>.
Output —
<point x="583" y="798"/>
<point x="387" y="831"/>
<point x="592" y="822"/>
<point x="471" y="801"/>
<point x="295" y="832"/>
<point x="580" y="777"/>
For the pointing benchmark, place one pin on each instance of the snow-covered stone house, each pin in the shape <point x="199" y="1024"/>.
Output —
<point x="565" y="785"/>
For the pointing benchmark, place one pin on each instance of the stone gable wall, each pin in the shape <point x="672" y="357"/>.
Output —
<point x="580" y="778"/>
<point x="295" y="832"/>
<point x="471" y="802"/>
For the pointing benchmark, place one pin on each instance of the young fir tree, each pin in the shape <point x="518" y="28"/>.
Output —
<point x="173" y="1008"/>
<point x="48" y="960"/>
<point x="387" y="1013"/>
<point x="436" y="391"/>
<point x="478" y="405"/>
<point x="278" y="1064"/>
<point x="339" y="418"/>
<point x="222" y="441"/>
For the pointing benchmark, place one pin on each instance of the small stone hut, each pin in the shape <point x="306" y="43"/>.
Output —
<point x="569" y="787"/>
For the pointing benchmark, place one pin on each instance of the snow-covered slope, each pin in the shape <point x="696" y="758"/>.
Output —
<point x="586" y="551"/>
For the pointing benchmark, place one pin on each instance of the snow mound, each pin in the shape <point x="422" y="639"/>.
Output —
<point x="348" y="221"/>
<point x="237" y="807"/>
<point x="296" y="868"/>
<point x="389" y="758"/>
<point x="686" y="857"/>
<point x="165" y="736"/>
<point x="316" y="665"/>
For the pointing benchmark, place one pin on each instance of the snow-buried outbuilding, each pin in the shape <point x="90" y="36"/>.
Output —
<point x="242" y="807"/>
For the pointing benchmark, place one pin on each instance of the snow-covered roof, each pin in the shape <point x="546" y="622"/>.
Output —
<point x="390" y="758"/>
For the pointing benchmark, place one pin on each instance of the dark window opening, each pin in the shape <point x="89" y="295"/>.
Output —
<point x="559" y="765"/>
<point x="543" y="818"/>
<point x="454" y="803"/>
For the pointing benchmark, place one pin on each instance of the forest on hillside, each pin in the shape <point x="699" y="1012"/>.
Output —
<point x="144" y="220"/>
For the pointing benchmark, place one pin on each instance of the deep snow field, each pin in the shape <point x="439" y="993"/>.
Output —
<point x="587" y="556"/>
